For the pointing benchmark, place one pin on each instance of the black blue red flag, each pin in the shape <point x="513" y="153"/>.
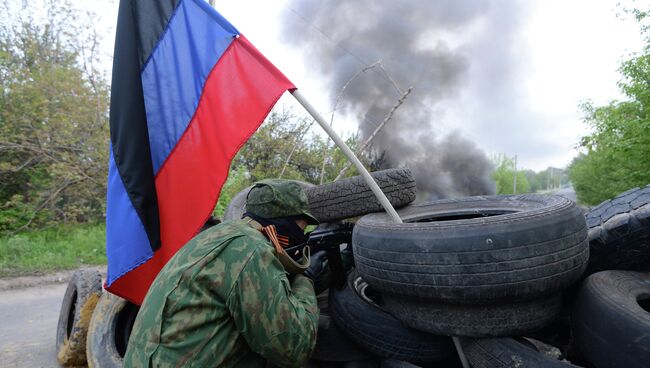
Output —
<point x="188" y="90"/>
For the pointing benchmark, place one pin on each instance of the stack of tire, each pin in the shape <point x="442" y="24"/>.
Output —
<point x="491" y="270"/>
<point x="610" y="316"/>
<point x="490" y="266"/>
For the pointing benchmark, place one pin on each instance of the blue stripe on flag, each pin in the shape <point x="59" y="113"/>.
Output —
<point x="127" y="244"/>
<point x="173" y="77"/>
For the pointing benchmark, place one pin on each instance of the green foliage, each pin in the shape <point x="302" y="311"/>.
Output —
<point x="238" y="179"/>
<point x="53" y="118"/>
<point x="284" y="147"/>
<point x="60" y="247"/>
<point x="617" y="153"/>
<point x="504" y="176"/>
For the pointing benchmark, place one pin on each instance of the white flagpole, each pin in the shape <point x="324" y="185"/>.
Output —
<point x="348" y="152"/>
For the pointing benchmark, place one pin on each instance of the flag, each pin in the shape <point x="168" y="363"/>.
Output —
<point x="187" y="91"/>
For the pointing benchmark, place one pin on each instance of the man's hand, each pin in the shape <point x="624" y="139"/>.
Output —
<point x="316" y="265"/>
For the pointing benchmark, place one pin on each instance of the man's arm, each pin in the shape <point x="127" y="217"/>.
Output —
<point x="278" y="320"/>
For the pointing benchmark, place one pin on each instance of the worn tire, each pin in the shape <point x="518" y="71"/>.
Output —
<point x="81" y="296"/>
<point x="345" y="198"/>
<point x="506" y="353"/>
<point x="619" y="232"/>
<point x="505" y="319"/>
<point x="332" y="345"/>
<point x="477" y="249"/>
<point x="109" y="330"/>
<point x="611" y="319"/>
<point x="351" y="197"/>
<point x="367" y="324"/>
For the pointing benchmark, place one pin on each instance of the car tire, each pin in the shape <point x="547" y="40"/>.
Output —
<point x="79" y="301"/>
<point x="507" y="353"/>
<point x="351" y="197"/>
<point x="619" y="233"/>
<point x="345" y="198"/>
<point x="110" y="328"/>
<point x="474" y="320"/>
<point x="372" y="328"/>
<point x="474" y="250"/>
<point x="611" y="319"/>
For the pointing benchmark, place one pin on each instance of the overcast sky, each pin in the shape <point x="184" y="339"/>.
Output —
<point x="529" y="65"/>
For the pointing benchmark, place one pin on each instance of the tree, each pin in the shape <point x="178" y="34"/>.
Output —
<point x="284" y="146"/>
<point x="615" y="156"/>
<point x="53" y="118"/>
<point x="504" y="176"/>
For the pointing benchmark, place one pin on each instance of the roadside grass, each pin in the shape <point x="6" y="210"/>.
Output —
<point x="56" y="248"/>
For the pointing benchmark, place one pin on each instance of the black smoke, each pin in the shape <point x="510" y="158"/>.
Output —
<point x="421" y="45"/>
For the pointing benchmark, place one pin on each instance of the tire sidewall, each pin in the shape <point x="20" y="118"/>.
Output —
<point x="81" y="296"/>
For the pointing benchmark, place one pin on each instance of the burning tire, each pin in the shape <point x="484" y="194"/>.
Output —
<point x="110" y="328"/>
<point x="345" y="198"/>
<point x="366" y="323"/>
<point x="478" y="249"/>
<point x="619" y="232"/>
<point x="81" y="296"/>
<point x="611" y="319"/>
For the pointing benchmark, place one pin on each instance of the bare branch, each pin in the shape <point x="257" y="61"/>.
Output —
<point x="379" y="127"/>
<point x="293" y="149"/>
<point x="336" y="106"/>
<point x="66" y="184"/>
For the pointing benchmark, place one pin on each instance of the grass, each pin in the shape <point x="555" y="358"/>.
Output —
<point x="57" y="248"/>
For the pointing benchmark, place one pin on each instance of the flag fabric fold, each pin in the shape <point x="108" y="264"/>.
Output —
<point x="188" y="90"/>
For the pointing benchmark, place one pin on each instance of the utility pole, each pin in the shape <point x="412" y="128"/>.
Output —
<point x="514" y="190"/>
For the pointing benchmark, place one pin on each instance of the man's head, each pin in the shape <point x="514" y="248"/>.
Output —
<point x="276" y="198"/>
<point x="282" y="203"/>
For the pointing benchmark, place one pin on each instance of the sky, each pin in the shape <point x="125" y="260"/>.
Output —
<point x="528" y="66"/>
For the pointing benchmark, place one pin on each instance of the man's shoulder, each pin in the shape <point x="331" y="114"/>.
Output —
<point x="233" y="229"/>
<point x="242" y="240"/>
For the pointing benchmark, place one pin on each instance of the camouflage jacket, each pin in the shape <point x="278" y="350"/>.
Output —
<point x="224" y="301"/>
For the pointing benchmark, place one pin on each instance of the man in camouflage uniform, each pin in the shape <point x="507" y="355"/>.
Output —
<point x="224" y="300"/>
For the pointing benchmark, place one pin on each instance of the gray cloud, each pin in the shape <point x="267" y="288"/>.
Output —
<point x="430" y="45"/>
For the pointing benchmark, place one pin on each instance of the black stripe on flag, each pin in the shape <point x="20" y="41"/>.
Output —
<point x="140" y="24"/>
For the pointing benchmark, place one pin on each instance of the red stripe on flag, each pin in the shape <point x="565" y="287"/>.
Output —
<point x="238" y="94"/>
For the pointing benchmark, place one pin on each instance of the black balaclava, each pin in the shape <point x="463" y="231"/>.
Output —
<point x="285" y="226"/>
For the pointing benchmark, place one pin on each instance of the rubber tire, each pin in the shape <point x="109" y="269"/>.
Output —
<point x="331" y="344"/>
<point x="81" y="296"/>
<point x="351" y="197"/>
<point x="487" y="249"/>
<point x="372" y="328"/>
<point x="619" y="233"/>
<point x="109" y="329"/>
<point x="610" y="328"/>
<point x="506" y="353"/>
<point x="507" y="319"/>
<point x="345" y="198"/>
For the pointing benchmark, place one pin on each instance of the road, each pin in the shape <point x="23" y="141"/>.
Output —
<point x="28" y="319"/>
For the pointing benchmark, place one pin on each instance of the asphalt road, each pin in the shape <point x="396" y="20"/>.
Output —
<point x="28" y="319"/>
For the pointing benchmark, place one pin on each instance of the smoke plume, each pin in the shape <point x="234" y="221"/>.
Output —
<point x="420" y="44"/>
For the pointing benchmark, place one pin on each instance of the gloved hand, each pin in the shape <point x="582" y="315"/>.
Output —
<point x="316" y="265"/>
